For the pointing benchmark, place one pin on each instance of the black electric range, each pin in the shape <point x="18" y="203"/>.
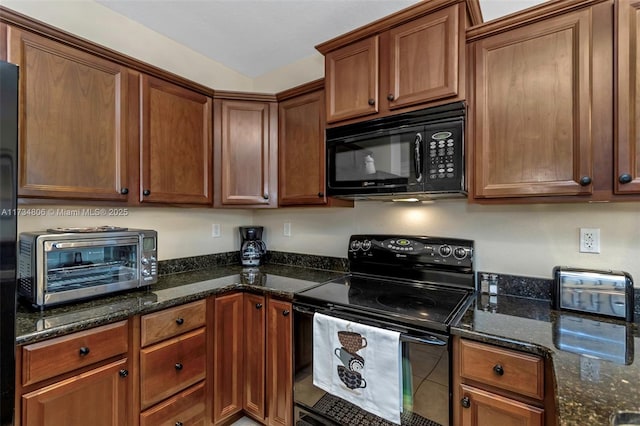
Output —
<point x="419" y="281"/>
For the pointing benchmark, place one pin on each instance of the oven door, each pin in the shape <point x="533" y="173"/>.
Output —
<point x="80" y="268"/>
<point x="425" y="377"/>
<point x="385" y="161"/>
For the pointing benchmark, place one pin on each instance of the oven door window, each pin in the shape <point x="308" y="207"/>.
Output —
<point x="77" y="265"/>
<point x="392" y="158"/>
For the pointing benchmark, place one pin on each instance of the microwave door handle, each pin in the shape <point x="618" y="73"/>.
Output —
<point x="417" y="158"/>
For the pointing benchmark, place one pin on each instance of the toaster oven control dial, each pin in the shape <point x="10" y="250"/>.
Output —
<point x="144" y="261"/>
<point x="366" y="245"/>
<point x="146" y="273"/>
<point x="355" y="245"/>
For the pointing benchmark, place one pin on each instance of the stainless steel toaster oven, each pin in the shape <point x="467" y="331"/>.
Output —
<point x="67" y="264"/>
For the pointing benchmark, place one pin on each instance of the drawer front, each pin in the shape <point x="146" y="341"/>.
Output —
<point x="171" y="322"/>
<point x="187" y="408"/>
<point x="171" y="366"/>
<point x="50" y="358"/>
<point x="503" y="368"/>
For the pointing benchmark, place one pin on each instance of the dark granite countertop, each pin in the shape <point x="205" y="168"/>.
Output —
<point x="595" y="369"/>
<point x="170" y="290"/>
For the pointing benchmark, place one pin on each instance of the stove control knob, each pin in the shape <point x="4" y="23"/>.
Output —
<point x="459" y="253"/>
<point x="445" y="251"/>
<point x="355" y="245"/>
<point x="366" y="245"/>
<point x="144" y="261"/>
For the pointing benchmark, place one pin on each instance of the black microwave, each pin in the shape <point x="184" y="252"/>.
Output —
<point x="418" y="154"/>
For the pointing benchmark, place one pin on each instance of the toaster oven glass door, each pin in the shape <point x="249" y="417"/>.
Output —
<point x="79" y="266"/>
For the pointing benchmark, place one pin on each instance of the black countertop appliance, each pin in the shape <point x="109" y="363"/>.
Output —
<point x="252" y="248"/>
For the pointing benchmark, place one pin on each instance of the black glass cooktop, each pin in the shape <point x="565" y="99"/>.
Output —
<point x="407" y="301"/>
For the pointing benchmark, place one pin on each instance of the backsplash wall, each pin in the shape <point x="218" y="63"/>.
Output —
<point x="526" y="240"/>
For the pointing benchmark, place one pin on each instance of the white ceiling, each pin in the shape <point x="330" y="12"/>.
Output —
<point x="254" y="37"/>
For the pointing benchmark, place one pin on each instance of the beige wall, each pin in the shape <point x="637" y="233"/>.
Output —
<point x="524" y="240"/>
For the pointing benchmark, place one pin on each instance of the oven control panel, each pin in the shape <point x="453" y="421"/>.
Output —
<point x="411" y="249"/>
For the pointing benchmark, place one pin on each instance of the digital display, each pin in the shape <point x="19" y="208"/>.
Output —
<point x="441" y="135"/>
<point x="148" y="244"/>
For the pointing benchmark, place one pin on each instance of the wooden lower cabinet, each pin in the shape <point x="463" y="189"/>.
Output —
<point x="498" y="386"/>
<point x="97" y="397"/>
<point x="254" y="355"/>
<point x="480" y="407"/>
<point x="228" y="357"/>
<point x="279" y="362"/>
<point x="186" y="408"/>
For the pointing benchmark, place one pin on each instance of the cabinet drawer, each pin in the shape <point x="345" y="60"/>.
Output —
<point x="506" y="369"/>
<point x="186" y="408"/>
<point x="48" y="359"/>
<point x="171" y="322"/>
<point x="171" y="366"/>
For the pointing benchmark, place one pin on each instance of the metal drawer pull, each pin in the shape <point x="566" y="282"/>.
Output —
<point x="180" y="321"/>
<point x="466" y="402"/>
<point x="84" y="351"/>
<point x="498" y="369"/>
<point x="178" y="366"/>
<point x="123" y="373"/>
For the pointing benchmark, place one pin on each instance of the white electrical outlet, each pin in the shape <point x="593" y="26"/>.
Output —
<point x="215" y="230"/>
<point x="589" y="240"/>
<point x="287" y="229"/>
<point x="589" y="368"/>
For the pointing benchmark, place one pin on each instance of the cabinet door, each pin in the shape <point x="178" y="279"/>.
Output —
<point x="351" y="78"/>
<point x="533" y="99"/>
<point x="627" y="169"/>
<point x="481" y="408"/>
<point x="228" y="356"/>
<point x="97" y="397"/>
<point x="248" y="153"/>
<point x="176" y="144"/>
<point x="254" y="352"/>
<point x="72" y="121"/>
<point x="301" y="150"/>
<point x="279" y="363"/>
<point x="423" y="59"/>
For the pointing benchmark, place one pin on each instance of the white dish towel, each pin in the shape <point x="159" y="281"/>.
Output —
<point x="358" y="363"/>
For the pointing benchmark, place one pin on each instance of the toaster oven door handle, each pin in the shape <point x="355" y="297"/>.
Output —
<point x="93" y="243"/>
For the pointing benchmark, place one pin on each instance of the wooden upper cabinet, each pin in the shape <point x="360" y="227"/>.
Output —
<point x="627" y="168"/>
<point x="535" y="106"/>
<point x="72" y="121"/>
<point x="246" y="157"/>
<point x="301" y="150"/>
<point x="423" y="59"/>
<point x="411" y="59"/>
<point x="352" y="80"/>
<point x="176" y="144"/>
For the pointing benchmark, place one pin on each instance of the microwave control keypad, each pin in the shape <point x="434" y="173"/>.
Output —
<point x="441" y="156"/>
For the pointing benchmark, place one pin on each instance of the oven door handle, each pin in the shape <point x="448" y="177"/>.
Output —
<point x="424" y="338"/>
<point x="428" y="340"/>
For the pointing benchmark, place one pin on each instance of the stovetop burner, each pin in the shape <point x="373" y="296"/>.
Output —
<point x="416" y="304"/>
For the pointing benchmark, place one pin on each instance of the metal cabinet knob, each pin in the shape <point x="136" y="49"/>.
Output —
<point x="124" y="191"/>
<point x="465" y="402"/>
<point x="178" y="423"/>
<point x="146" y="192"/>
<point x="180" y="321"/>
<point x="372" y="101"/>
<point x="625" y="178"/>
<point x="585" y="180"/>
<point x="258" y="305"/>
<point x="84" y="351"/>
<point x="178" y="366"/>
<point x="498" y="369"/>
<point x="390" y="97"/>
<point x="285" y="312"/>
<point x="123" y="373"/>
<point x="265" y="196"/>
<point x="320" y="194"/>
